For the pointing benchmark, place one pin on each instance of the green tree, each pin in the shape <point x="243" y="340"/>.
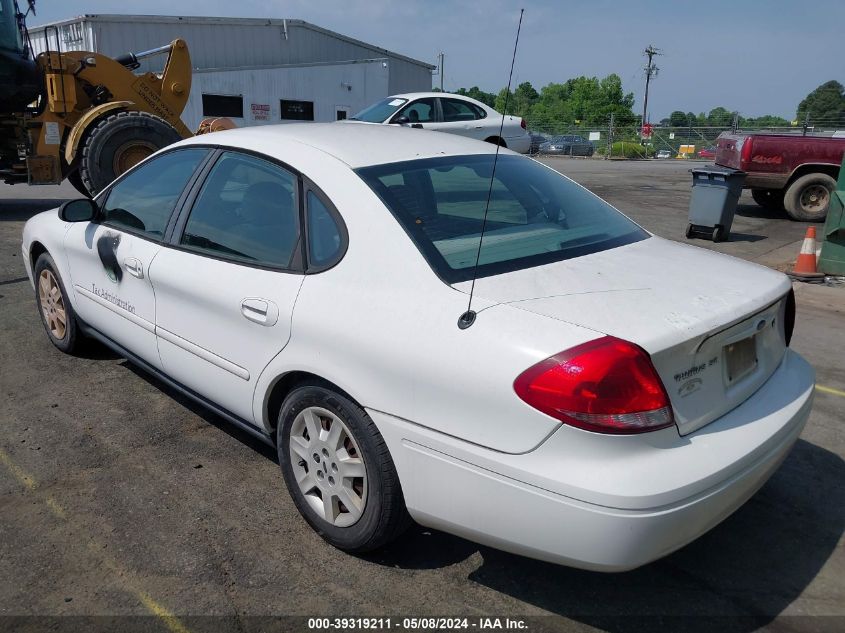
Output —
<point x="476" y="93"/>
<point x="719" y="117"/>
<point x="524" y="98"/>
<point x="678" y="119"/>
<point x="825" y="103"/>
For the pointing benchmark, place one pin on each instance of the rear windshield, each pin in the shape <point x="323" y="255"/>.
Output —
<point x="380" y="111"/>
<point x="536" y="216"/>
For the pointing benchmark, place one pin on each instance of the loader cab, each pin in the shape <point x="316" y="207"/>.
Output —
<point x="19" y="78"/>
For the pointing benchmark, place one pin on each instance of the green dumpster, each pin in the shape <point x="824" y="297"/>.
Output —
<point x="832" y="258"/>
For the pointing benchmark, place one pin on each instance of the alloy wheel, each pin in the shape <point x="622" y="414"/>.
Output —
<point x="328" y="466"/>
<point x="52" y="304"/>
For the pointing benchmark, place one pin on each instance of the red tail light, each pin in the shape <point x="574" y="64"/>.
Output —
<point x="747" y="147"/>
<point x="607" y="385"/>
<point x="522" y="123"/>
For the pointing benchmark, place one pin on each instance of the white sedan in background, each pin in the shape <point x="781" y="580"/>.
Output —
<point x="455" y="114"/>
<point x="611" y="396"/>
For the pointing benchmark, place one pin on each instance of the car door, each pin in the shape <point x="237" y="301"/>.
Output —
<point x="226" y="286"/>
<point x="421" y="113"/>
<point x="109" y="258"/>
<point x="464" y="118"/>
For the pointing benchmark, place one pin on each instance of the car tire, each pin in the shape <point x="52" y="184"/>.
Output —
<point x="808" y="198"/>
<point x="119" y="142"/>
<point x="771" y="199"/>
<point x="338" y="470"/>
<point x="54" y="308"/>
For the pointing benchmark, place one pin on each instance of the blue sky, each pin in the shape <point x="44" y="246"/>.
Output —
<point x="754" y="56"/>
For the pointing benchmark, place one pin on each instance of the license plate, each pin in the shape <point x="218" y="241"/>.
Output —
<point x="740" y="358"/>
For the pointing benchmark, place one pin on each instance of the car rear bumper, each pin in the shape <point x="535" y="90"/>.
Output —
<point x="641" y="499"/>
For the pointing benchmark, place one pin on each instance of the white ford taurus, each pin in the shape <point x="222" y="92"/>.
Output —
<point x="616" y="396"/>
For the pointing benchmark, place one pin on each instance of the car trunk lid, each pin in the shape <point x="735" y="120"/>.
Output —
<point x="713" y="325"/>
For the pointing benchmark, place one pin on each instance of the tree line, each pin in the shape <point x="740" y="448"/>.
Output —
<point x="589" y="101"/>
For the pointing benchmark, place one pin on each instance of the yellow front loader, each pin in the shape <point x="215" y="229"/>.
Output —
<point x="81" y="115"/>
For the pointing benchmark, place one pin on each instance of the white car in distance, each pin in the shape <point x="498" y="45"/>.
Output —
<point x="617" y="395"/>
<point x="452" y="113"/>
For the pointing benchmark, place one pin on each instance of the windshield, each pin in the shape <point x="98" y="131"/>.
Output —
<point x="536" y="215"/>
<point x="10" y="36"/>
<point x="379" y="112"/>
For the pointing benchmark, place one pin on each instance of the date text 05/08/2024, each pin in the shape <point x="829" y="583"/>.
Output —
<point x="414" y="624"/>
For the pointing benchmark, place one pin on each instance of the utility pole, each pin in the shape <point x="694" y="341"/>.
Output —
<point x="651" y="70"/>
<point x="609" y="152"/>
<point x="440" y="69"/>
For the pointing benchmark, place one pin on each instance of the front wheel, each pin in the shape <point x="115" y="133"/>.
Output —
<point x="338" y="470"/>
<point x="56" y="313"/>
<point x="808" y="198"/>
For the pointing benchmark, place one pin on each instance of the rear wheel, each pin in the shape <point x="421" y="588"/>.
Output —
<point x="808" y="198"/>
<point x="119" y="142"/>
<point x="338" y="470"/>
<point x="769" y="198"/>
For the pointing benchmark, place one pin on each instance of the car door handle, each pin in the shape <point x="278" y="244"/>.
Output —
<point x="260" y="311"/>
<point x="478" y="127"/>
<point x="134" y="267"/>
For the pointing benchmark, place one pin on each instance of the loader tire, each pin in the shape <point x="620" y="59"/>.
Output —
<point x="76" y="180"/>
<point x="121" y="141"/>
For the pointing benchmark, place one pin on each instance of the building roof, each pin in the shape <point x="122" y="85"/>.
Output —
<point x="355" y="143"/>
<point x="210" y="20"/>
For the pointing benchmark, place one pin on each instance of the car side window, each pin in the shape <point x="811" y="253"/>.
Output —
<point x="455" y="110"/>
<point x="246" y="211"/>
<point x="325" y="239"/>
<point x="419" y="111"/>
<point x="143" y="200"/>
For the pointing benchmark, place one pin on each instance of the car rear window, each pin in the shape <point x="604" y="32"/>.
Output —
<point x="536" y="215"/>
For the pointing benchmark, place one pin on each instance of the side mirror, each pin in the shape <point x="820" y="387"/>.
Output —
<point x="82" y="210"/>
<point x="401" y="120"/>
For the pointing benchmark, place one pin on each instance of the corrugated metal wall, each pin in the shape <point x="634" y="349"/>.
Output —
<point x="232" y="43"/>
<point x="331" y="87"/>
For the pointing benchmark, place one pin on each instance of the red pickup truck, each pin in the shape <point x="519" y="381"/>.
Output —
<point x="791" y="172"/>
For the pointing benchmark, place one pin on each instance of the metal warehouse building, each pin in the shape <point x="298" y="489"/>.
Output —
<point x="255" y="71"/>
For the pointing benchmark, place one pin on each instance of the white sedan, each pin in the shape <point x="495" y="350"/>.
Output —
<point x="609" y="397"/>
<point x="455" y="114"/>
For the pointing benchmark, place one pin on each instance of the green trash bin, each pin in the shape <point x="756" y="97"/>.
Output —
<point x="832" y="258"/>
<point x="715" y="192"/>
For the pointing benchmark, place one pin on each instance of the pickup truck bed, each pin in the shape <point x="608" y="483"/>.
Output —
<point x="796" y="173"/>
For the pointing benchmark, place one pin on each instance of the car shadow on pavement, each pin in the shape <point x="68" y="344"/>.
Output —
<point x="745" y="237"/>
<point x="22" y="209"/>
<point x="756" y="211"/>
<point x="209" y="416"/>
<point x="737" y="577"/>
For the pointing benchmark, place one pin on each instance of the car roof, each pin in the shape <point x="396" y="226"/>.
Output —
<point x="355" y="143"/>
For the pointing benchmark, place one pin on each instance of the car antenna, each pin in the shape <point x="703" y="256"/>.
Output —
<point x="468" y="317"/>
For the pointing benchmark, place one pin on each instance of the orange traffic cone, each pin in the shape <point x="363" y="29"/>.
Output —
<point x="805" y="265"/>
